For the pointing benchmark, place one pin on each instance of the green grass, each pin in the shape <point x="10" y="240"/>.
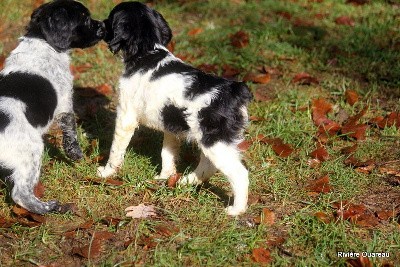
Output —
<point x="363" y="57"/>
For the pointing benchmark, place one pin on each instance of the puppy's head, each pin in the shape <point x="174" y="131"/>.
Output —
<point x="135" y="28"/>
<point x="65" y="24"/>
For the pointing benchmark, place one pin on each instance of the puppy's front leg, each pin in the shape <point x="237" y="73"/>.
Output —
<point x="169" y="153"/>
<point x="125" y="126"/>
<point x="70" y="142"/>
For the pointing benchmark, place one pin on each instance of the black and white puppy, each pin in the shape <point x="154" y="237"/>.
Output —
<point x="160" y="91"/>
<point x="36" y="89"/>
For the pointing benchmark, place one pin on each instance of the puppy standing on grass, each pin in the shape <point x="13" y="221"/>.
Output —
<point x="162" y="92"/>
<point x="35" y="89"/>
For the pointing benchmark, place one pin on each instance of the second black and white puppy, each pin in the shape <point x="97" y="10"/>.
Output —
<point x="162" y="92"/>
<point x="36" y="89"/>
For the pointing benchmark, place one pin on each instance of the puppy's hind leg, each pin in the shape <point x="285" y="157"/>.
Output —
<point x="70" y="141"/>
<point x="125" y="126"/>
<point x="226" y="158"/>
<point x="201" y="174"/>
<point x="169" y="154"/>
<point x="24" y="178"/>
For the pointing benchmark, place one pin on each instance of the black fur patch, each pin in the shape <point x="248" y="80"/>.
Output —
<point x="4" y="121"/>
<point x="5" y="172"/>
<point x="174" y="119"/>
<point x="35" y="91"/>
<point x="202" y="82"/>
<point x="222" y="120"/>
<point x="145" y="63"/>
<point x="171" y="68"/>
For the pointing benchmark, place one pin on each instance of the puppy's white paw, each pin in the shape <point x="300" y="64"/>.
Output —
<point x="191" y="178"/>
<point x="235" y="211"/>
<point x="105" y="171"/>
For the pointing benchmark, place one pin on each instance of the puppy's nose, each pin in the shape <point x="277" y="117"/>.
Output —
<point x="101" y="31"/>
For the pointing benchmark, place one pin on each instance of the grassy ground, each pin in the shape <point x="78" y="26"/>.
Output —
<point x="285" y="38"/>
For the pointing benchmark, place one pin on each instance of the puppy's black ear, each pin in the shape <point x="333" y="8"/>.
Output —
<point x="57" y="30"/>
<point x="162" y="29"/>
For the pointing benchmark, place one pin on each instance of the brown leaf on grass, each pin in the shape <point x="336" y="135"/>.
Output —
<point x="320" y="108"/>
<point x="140" y="211"/>
<point x="320" y="185"/>
<point x="385" y="215"/>
<point x="261" y="78"/>
<point x="284" y="14"/>
<point x="102" y="235"/>
<point x="323" y="217"/>
<point x="349" y="150"/>
<point x="357" y="2"/>
<point x="352" y="129"/>
<point x="104" y="89"/>
<point x="6" y="223"/>
<point x="171" y="46"/>
<point x="313" y="163"/>
<point x="355" y="163"/>
<point x="344" y="20"/>
<point x="267" y="217"/>
<point x="195" y="31"/>
<point x="19" y="211"/>
<point x="111" y="221"/>
<point x="245" y="145"/>
<point x="351" y="97"/>
<point x="80" y="68"/>
<point x="256" y="118"/>
<point x="240" y="39"/>
<point x="346" y="210"/>
<point x="84" y="226"/>
<point x="208" y="68"/>
<point x="229" y="71"/>
<point x="261" y="255"/>
<point x="320" y="153"/>
<point x="27" y="218"/>
<point x="365" y="220"/>
<point x="166" y="230"/>
<point x="100" y="181"/>
<point x="280" y="148"/>
<point x="263" y="94"/>
<point x="392" y="119"/>
<point x="38" y="191"/>
<point x="173" y="180"/>
<point x="357" y="132"/>
<point x="359" y="262"/>
<point x="275" y="241"/>
<point x="90" y="251"/>
<point x="304" y="78"/>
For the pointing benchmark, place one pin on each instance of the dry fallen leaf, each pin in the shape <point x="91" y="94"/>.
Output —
<point x="261" y="255"/>
<point x="240" y="39"/>
<point x="320" y="153"/>
<point x="345" y="20"/>
<point x="195" y="31"/>
<point x="140" y="211"/>
<point x="359" y="262"/>
<point x="304" y="78"/>
<point x="351" y="97"/>
<point x="173" y="180"/>
<point x="261" y="78"/>
<point x="245" y="145"/>
<point x="323" y="217"/>
<point x="320" y="185"/>
<point x="266" y="217"/>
